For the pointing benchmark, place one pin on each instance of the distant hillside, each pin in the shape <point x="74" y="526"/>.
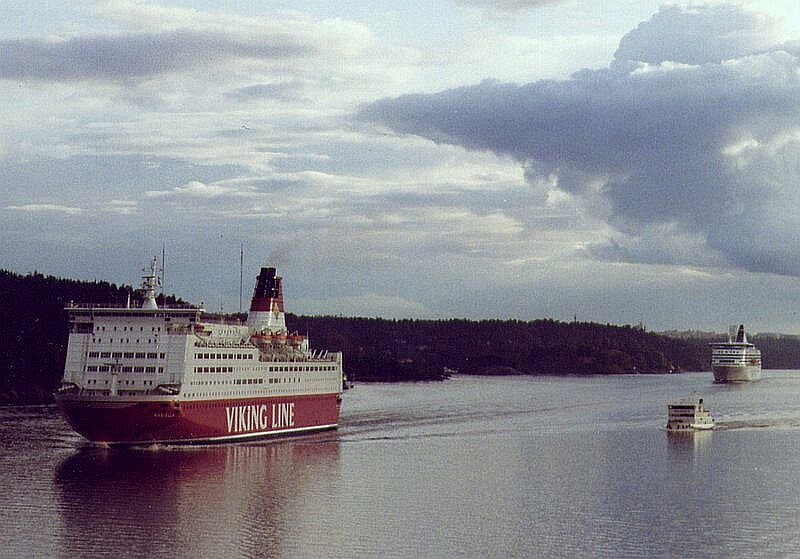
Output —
<point x="377" y="349"/>
<point x="33" y="337"/>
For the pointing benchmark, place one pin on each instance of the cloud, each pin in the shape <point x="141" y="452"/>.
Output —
<point x="122" y="207"/>
<point x="46" y="208"/>
<point x="708" y="34"/>
<point x="690" y="133"/>
<point x="137" y="55"/>
<point x="103" y="178"/>
<point x="368" y="304"/>
<point x="195" y="189"/>
<point x="282" y="91"/>
<point x="508" y="5"/>
<point x="658" y="244"/>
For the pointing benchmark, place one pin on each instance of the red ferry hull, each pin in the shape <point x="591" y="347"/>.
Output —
<point x="146" y="421"/>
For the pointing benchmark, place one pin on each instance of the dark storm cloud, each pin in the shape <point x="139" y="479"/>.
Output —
<point x="655" y="136"/>
<point x="112" y="57"/>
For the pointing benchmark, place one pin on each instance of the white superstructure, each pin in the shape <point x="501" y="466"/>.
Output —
<point x="736" y="360"/>
<point x="690" y="415"/>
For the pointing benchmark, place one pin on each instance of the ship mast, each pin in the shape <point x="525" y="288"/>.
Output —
<point x="149" y="285"/>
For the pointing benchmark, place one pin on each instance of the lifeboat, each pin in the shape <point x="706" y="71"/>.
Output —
<point x="279" y="338"/>
<point x="260" y="339"/>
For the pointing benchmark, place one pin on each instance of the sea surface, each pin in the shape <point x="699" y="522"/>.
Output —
<point x="471" y="467"/>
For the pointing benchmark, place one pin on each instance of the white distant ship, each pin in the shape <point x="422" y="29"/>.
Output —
<point x="688" y="416"/>
<point x="736" y="360"/>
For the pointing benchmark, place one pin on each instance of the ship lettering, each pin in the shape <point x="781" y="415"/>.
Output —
<point x="242" y="419"/>
<point x="283" y="415"/>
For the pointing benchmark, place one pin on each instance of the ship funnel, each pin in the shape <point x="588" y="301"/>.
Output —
<point x="740" y="335"/>
<point x="266" y="307"/>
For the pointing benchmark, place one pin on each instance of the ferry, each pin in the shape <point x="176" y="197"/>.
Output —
<point x="736" y="360"/>
<point x="688" y="416"/>
<point x="150" y="375"/>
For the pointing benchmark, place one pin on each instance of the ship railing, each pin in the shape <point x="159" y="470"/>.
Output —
<point x="73" y="305"/>
<point x="223" y="319"/>
<point x="240" y="344"/>
<point x="298" y="357"/>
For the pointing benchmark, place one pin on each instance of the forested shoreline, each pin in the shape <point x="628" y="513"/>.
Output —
<point x="33" y="324"/>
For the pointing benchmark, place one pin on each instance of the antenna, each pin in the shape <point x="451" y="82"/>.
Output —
<point x="241" y="272"/>
<point x="164" y="270"/>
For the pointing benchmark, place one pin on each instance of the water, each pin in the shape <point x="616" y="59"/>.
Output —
<point x="473" y="467"/>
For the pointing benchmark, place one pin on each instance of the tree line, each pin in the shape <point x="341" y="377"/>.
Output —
<point x="34" y="324"/>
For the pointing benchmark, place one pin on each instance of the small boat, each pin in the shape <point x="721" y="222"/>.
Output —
<point x="689" y="415"/>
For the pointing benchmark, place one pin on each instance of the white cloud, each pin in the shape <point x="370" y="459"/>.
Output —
<point x="46" y="208"/>
<point x="122" y="207"/>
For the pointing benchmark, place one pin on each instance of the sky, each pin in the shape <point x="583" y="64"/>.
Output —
<point x="619" y="162"/>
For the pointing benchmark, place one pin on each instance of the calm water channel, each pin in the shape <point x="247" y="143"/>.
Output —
<point x="473" y="467"/>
